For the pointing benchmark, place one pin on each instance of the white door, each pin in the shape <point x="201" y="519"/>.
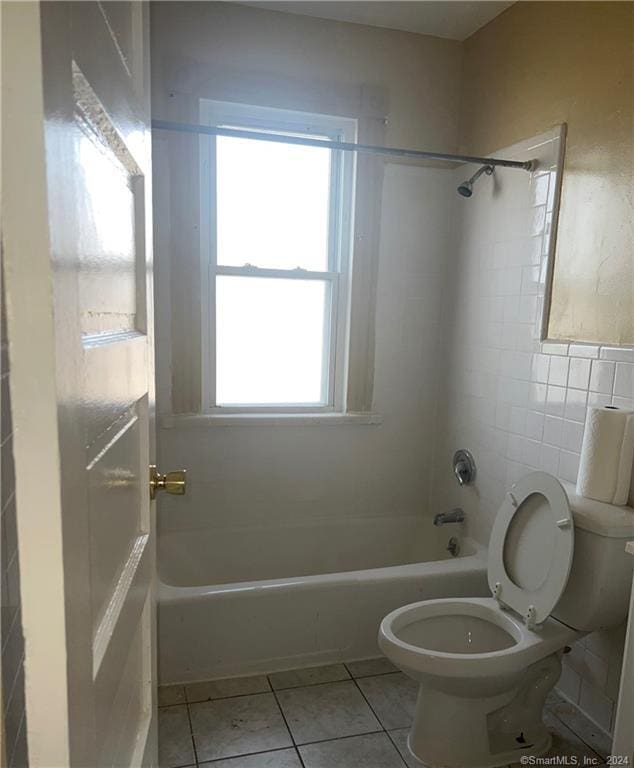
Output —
<point x="90" y="666"/>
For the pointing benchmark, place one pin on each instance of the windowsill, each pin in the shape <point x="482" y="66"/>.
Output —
<point x="269" y="419"/>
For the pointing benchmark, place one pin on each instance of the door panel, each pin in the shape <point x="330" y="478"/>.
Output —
<point x="98" y="165"/>
<point x="114" y="479"/>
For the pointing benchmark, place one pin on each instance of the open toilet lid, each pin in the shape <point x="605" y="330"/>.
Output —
<point x="531" y="547"/>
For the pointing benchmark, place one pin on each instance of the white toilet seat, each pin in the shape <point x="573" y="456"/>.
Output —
<point x="531" y="547"/>
<point x="524" y="646"/>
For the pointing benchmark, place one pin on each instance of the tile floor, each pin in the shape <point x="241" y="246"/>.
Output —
<point x="353" y="715"/>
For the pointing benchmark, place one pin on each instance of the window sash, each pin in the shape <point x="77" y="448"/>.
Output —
<point x="339" y="230"/>
<point x="327" y="383"/>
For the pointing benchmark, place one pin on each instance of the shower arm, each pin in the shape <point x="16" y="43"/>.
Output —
<point x="344" y="146"/>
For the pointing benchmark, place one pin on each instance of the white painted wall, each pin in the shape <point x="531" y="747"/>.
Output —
<point x="243" y="52"/>
<point x="517" y="404"/>
<point x="247" y="476"/>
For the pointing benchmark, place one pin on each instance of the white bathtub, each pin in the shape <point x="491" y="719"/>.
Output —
<point x="236" y="603"/>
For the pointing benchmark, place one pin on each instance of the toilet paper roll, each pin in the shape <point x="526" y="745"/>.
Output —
<point x="607" y="454"/>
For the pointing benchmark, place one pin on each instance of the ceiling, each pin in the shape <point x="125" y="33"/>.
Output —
<point x="454" y="19"/>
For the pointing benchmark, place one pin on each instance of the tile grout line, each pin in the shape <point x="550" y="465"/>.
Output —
<point x="191" y="733"/>
<point x="382" y="729"/>
<point x="295" y="745"/>
<point x="288" y="728"/>
<point x="380" y="722"/>
<point x="244" y="754"/>
<point x="222" y="698"/>
<point x="389" y="735"/>
<point x="285" y="688"/>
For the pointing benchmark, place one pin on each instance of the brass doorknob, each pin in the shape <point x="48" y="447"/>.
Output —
<point x="173" y="482"/>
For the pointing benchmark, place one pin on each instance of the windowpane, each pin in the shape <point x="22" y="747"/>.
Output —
<point x="270" y="340"/>
<point x="272" y="204"/>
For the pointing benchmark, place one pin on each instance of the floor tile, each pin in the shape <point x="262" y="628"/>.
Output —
<point x="175" y="739"/>
<point x="238" y="726"/>
<point x="375" y="750"/>
<point x="329" y="711"/>
<point x="296" y="678"/>
<point x="370" y="667"/>
<point x="579" y="724"/>
<point x="392" y="697"/>
<point x="171" y="694"/>
<point x="222" y="689"/>
<point x="566" y="744"/>
<point x="399" y="737"/>
<point x="283" y="758"/>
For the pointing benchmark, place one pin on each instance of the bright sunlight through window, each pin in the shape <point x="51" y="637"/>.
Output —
<point x="278" y="267"/>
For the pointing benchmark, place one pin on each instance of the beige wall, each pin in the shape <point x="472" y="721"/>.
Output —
<point x="543" y="63"/>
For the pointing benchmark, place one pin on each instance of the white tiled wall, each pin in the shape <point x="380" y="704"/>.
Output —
<point x="11" y="639"/>
<point x="516" y="403"/>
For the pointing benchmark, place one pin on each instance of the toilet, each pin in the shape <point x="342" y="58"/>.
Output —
<point x="557" y="569"/>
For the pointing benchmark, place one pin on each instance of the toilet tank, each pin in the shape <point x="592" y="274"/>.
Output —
<point x="598" y="588"/>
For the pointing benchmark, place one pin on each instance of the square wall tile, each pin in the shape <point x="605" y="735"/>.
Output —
<point x="555" y="401"/>
<point x="619" y="354"/>
<point x="572" y="436"/>
<point x="568" y="466"/>
<point x="624" y="380"/>
<point x="537" y="396"/>
<point x="534" y="425"/>
<point x="576" y="405"/>
<point x="602" y="376"/>
<point x="553" y="430"/>
<point x="558" y="374"/>
<point x="596" y="399"/>
<point x="531" y="452"/>
<point x="579" y="373"/>
<point x="539" y="189"/>
<point x="584" y="350"/>
<point x="540" y="368"/>
<point x="549" y="459"/>
<point x="517" y="423"/>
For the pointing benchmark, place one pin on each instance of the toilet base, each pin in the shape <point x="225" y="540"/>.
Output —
<point x="484" y="729"/>
<point x="500" y="760"/>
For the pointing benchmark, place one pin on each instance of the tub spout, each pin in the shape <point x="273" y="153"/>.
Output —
<point x="455" y="516"/>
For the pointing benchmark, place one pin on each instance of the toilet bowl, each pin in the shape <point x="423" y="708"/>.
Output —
<point x="486" y="665"/>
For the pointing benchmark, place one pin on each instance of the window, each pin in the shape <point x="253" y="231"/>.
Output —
<point x="276" y="222"/>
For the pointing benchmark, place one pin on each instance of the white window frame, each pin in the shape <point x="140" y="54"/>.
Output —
<point x="336" y="331"/>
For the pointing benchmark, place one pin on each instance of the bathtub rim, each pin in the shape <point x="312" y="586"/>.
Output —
<point x="169" y="593"/>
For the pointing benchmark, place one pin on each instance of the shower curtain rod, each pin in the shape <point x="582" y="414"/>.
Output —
<point x="214" y="130"/>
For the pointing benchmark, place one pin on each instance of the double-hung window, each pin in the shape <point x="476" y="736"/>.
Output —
<point x="276" y="230"/>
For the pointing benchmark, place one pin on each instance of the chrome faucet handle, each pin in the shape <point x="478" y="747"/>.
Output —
<point x="464" y="467"/>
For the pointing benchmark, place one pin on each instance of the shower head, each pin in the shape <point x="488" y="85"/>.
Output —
<point x="466" y="188"/>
